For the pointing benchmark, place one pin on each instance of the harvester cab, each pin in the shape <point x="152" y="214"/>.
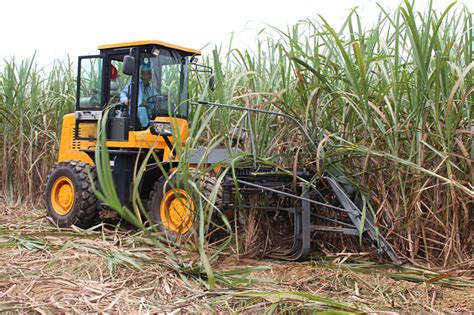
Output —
<point x="152" y="78"/>
<point x="141" y="88"/>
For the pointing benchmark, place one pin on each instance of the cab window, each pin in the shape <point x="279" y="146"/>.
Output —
<point x="90" y="82"/>
<point x="169" y="83"/>
<point x="118" y="81"/>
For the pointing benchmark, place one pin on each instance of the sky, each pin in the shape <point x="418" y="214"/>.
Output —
<point x="54" y="28"/>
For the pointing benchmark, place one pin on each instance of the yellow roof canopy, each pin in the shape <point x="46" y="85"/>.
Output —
<point x="150" y="42"/>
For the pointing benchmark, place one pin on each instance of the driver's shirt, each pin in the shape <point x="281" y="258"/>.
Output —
<point x="147" y="92"/>
<point x="144" y="92"/>
<point x="145" y="106"/>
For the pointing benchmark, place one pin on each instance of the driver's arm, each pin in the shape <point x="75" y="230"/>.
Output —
<point x="124" y="94"/>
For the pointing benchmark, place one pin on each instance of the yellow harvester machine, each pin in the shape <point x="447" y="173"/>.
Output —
<point x="70" y="199"/>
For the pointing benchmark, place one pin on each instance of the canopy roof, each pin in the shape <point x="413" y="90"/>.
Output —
<point x="150" y="42"/>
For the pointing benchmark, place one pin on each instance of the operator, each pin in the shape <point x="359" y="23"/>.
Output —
<point x="146" y="95"/>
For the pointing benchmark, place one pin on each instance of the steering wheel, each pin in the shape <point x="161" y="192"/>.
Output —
<point x="157" y="98"/>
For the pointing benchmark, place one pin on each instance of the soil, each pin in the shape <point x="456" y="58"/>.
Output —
<point x="46" y="269"/>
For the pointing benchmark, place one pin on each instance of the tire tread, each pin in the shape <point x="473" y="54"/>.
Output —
<point x="85" y="213"/>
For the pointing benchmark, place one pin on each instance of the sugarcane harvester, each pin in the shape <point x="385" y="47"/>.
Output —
<point x="152" y="88"/>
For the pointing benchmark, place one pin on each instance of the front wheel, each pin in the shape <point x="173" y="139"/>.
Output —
<point x="171" y="208"/>
<point x="174" y="211"/>
<point x="69" y="197"/>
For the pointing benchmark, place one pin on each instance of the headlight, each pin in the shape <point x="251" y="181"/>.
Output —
<point x="160" y="128"/>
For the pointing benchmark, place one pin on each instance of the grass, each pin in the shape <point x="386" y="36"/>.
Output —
<point x="32" y="104"/>
<point x="390" y="105"/>
<point x="45" y="269"/>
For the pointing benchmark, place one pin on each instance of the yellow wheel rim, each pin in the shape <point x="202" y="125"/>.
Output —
<point x="62" y="195"/>
<point x="176" y="211"/>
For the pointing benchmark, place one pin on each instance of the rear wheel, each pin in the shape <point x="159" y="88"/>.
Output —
<point x="69" y="197"/>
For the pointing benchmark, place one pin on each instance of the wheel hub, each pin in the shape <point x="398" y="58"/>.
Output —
<point x="176" y="211"/>
<point x="62" y="195"/>
<point x="65" y="196"/>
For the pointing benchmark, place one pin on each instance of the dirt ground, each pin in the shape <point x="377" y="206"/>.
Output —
<point x="45" y="269"/>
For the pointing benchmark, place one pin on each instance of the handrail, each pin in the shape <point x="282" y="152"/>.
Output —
<point x="210" y="104"/>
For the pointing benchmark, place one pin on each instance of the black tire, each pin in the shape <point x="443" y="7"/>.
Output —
<point x="81" y="210"/>
<point x="158" y="193"/>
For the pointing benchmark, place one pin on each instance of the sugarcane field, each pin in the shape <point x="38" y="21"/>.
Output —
<point x="325" y="165"/>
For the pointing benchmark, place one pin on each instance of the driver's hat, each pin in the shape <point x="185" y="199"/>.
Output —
<point x="145" y="66"/>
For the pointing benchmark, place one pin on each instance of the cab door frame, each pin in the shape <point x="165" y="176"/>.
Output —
<point x="91" y="114"/>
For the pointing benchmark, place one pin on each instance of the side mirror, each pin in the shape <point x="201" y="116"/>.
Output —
<point x="194" y="59"/>
<point x="212" y="83"/>
<point x="128" y="65"/>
